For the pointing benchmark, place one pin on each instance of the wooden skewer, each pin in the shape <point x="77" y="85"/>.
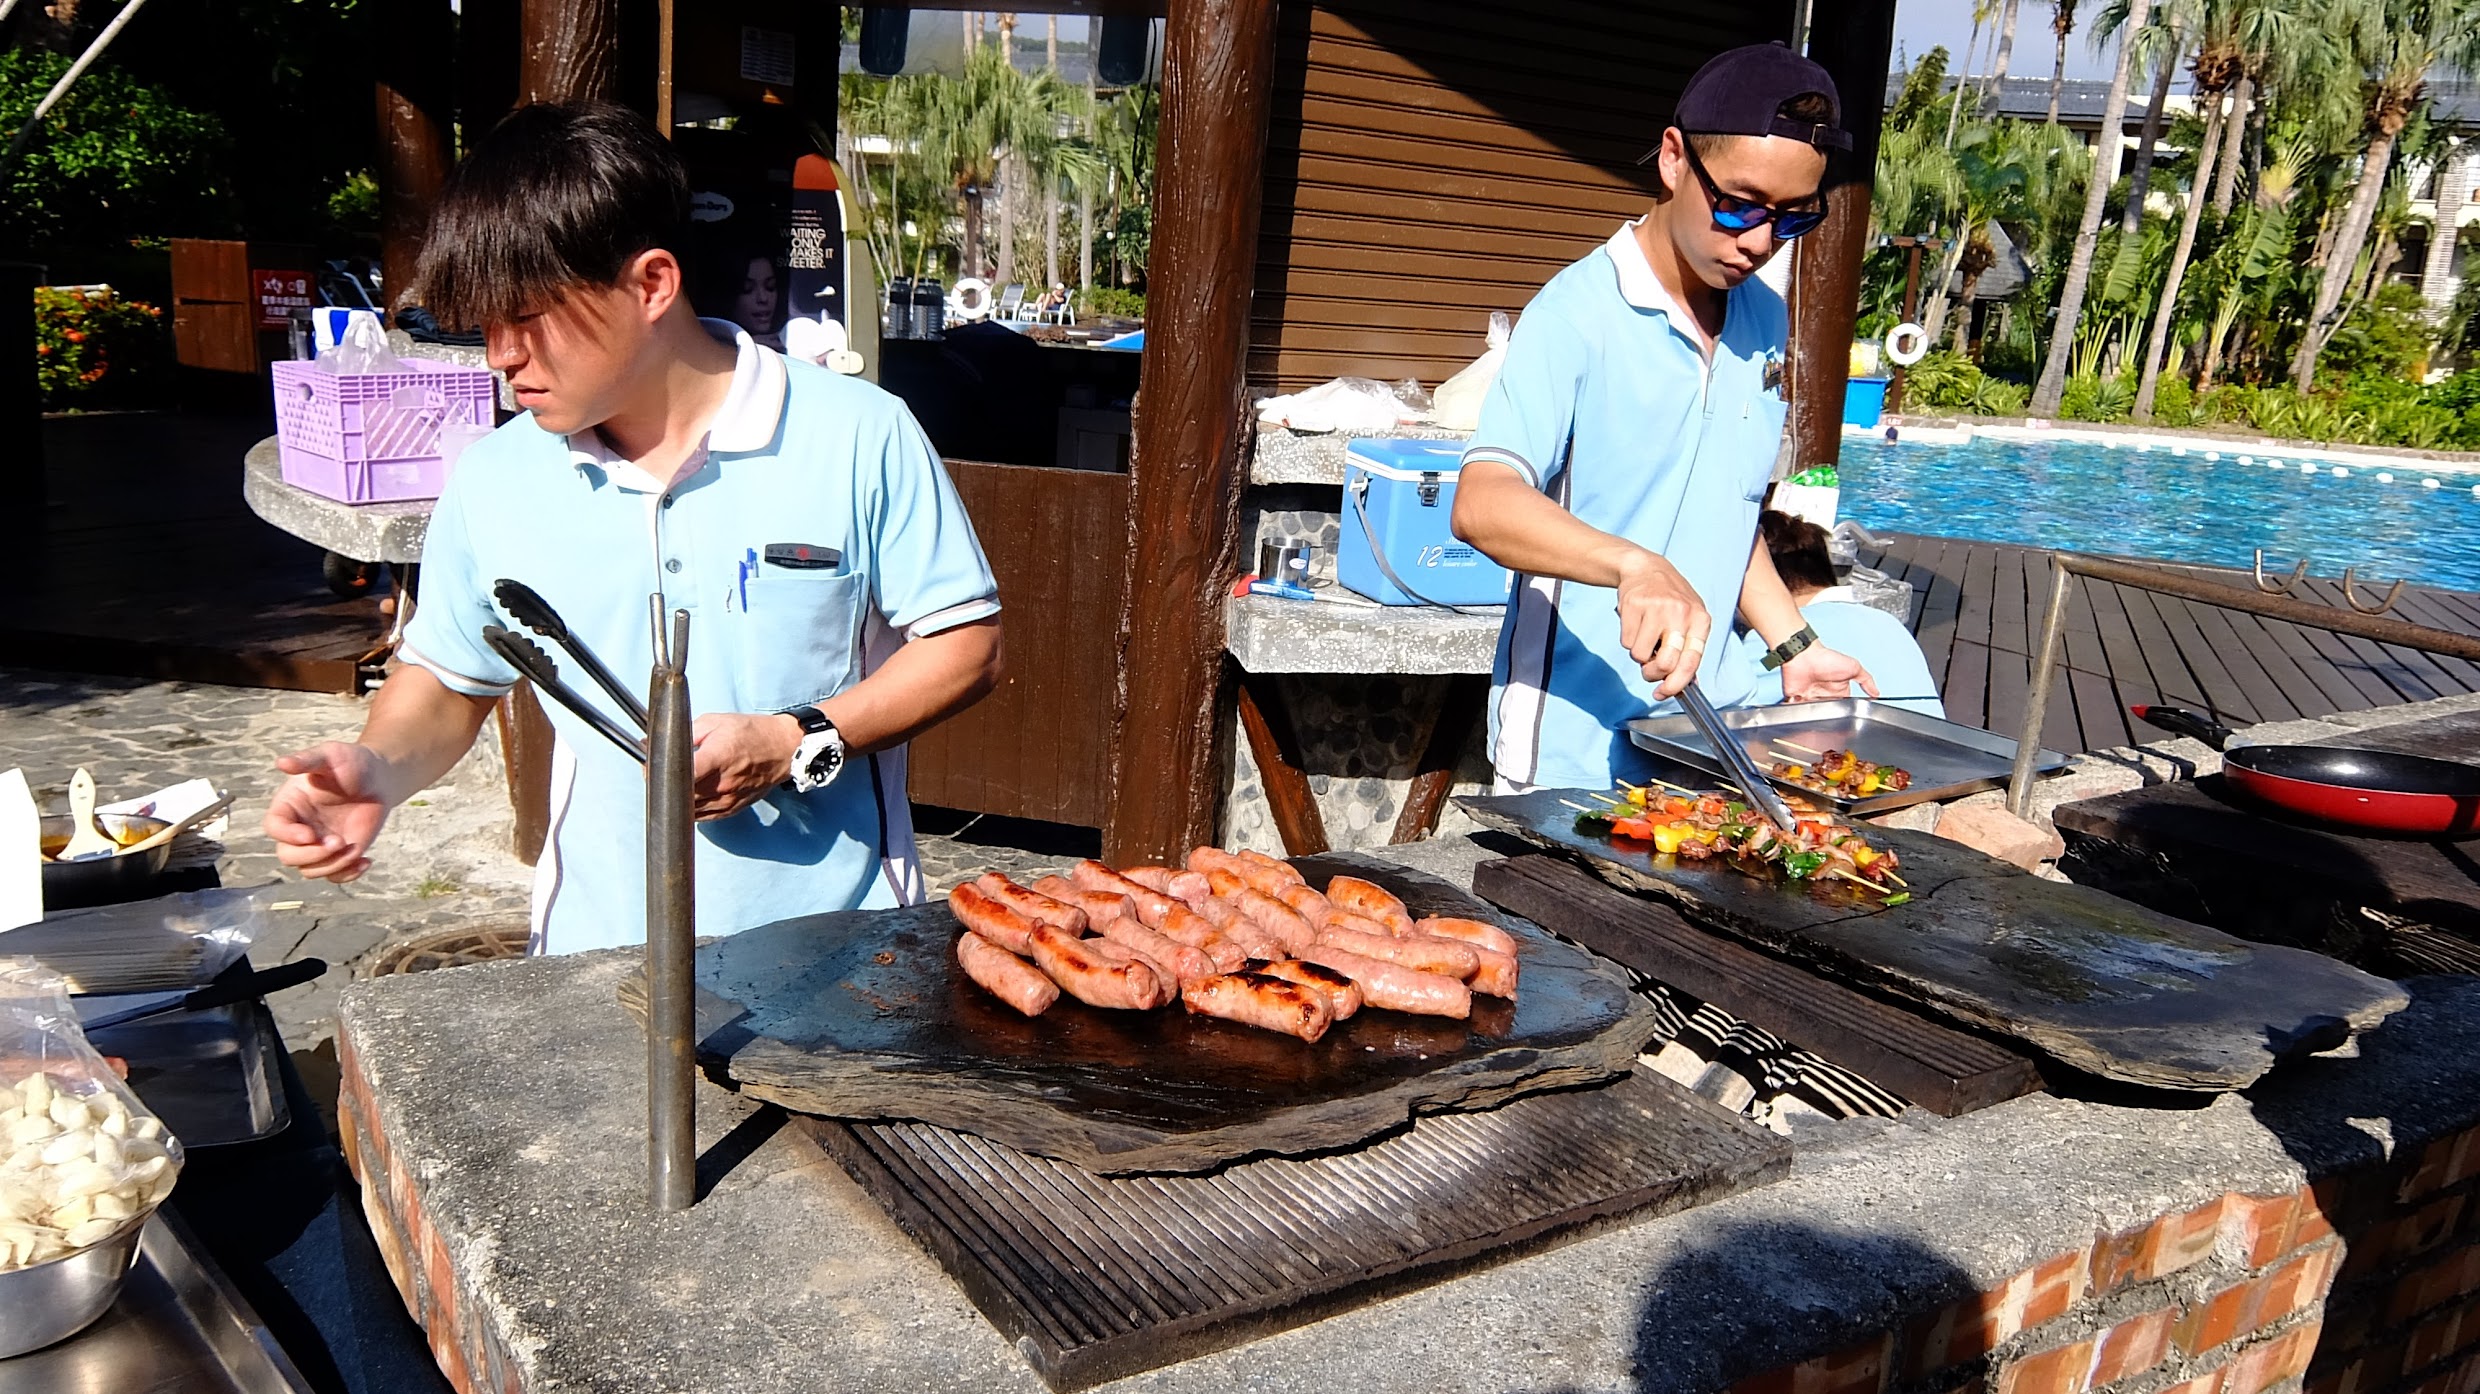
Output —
<point x="1795" y="745"/>
<point x="1582" y="808"/>
<point x="1675" y="788"/>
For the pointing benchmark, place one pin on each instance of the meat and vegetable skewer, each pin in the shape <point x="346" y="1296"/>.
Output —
<point x="1838" y="772"/>
<point x="1699" y="827"/>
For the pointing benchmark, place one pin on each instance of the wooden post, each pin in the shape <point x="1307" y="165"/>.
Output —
<point x="1192" y="427"/>
<point x="571" y="51"/>
<point x="1854" y="41"/>
<point x="415" y="88"/>
<point x="489" y="34"/>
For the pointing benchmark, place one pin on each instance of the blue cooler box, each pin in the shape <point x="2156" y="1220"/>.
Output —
<point x="1407" y="488"/>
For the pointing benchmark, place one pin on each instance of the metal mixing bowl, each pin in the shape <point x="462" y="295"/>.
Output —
<point x="58" y="1298"/>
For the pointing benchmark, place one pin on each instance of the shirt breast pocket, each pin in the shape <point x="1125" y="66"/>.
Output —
<point x="1761" y="442"/>
<point x="800" y="638"/>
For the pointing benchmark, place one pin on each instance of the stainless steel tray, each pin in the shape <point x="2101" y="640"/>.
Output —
<point x="178" y="1328"/>
<point x="1946" y="758"/>
<point x="209" y="1075"/>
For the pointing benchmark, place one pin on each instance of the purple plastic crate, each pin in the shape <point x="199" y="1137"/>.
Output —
<point x="374" y="437"/>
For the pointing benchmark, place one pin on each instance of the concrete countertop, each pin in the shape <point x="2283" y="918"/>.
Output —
<point x="1285" y="456"/>
<point x="389" y="532"/>
<point x="512" y="1099"/>
<point x="1349" y="635"/>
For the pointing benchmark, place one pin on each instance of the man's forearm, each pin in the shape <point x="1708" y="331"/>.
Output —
<point x="1765" y="603"/>
<point x="421" y="728"/>
<point x="1522" y="529"/>
<point x="922" y="684"/>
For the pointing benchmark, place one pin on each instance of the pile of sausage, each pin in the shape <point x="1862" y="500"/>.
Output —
<point x="1240" y="936"/>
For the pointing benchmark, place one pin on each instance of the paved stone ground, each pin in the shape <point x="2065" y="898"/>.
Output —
<point x="444" y="861"/>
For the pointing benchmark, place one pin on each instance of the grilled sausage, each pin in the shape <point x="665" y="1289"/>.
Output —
<point x="1190" y="886"/>
<point x="1226" y="882"/>
<point x="1165" y="979"/>
<point x="1487" y="936"/>
<point x="1100" y="907"/>
<point x="1370" y="899"/>
<point x="1156" y="878"/>
<point x="1089" y="977"/>
<point x="1233" y="923"/>
<point x="1393" y="987"/>
<point x="1282" y="869"/>
<point x="1007" y="977"/>
<point x="1277" y="918"/>
<point x="1031" y="904"/>
<point x="1226" y="952"/>
<point x="1418" y="951"/>
<point x="995" y="920"/>
<point x="1094" y="876"/>
<point x="1269" y="1004"/>
<point x="1239" y="871"/>
<point x="1343" y="996"/>
<point x="1307" y="904"/>
<point x="1497" y="974"/>
<point x="1358" y="924"/>
<point x="1211" y="859"/>
<point x="1187" y="962"/>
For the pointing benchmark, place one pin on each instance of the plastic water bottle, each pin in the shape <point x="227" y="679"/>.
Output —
<point x="900" y="308"/>
<point x="929" y="308"/>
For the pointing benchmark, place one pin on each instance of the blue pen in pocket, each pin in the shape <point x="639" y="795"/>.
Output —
<point x="749" y="564"/>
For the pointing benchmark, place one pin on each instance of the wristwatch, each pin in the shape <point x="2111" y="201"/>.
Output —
<point x="819" y="758"/>
<point x="1790" y="648"/>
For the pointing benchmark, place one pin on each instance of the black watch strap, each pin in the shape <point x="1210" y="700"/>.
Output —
<point x="1790" y="648"/>
<point x="811" y="719"/>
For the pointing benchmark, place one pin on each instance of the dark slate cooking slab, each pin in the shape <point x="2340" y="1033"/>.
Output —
<point x="2100" y="984"/>
<point x="864" y="1015"/>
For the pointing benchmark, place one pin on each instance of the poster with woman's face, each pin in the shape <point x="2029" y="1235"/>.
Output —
<point x="736" y="261"/>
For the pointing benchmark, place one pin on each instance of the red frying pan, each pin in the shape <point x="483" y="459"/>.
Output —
<point x="2375" y="789"/>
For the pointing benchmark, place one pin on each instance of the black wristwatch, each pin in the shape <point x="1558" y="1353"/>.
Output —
<point x="820" y="756"/>
<point x="1790" y="648"/>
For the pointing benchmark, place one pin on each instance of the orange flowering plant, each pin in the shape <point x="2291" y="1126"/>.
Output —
<point x="94" y="349"/>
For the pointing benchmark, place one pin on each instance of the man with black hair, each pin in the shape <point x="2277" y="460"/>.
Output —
<point x="1628" y="441"/>
<point x="842" y="604"/>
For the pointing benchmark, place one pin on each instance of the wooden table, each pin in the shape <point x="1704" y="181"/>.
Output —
<point x="2201" y="849"/>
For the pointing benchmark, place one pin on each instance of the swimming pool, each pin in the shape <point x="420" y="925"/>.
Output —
<point x="2171" y="506"/>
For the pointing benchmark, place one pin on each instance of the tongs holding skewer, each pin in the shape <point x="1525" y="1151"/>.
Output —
<point x="527" y="657"/>
<point x="1738" y="767"/>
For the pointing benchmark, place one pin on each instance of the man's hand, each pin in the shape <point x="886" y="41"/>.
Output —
<point x="739" y="758"/>
<point x="325" y="817"/>
<point x="1819" y="674"/>
<point x="1661" y="621"/>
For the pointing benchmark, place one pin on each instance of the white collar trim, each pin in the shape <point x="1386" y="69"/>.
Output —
<point x="752" y="408"/>
<point x="1638" y="286"/>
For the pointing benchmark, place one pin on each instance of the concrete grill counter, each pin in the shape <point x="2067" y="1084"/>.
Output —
<point x="496" y="1115"/>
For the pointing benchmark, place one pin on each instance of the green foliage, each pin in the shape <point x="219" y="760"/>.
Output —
<point x="1948" y="381"/>
<point x="1110" y="300"/>
<point x="1993" y="396"/>
<point x="1923" y="87"/>
<point x="2390" y="334"/>
<point x="116" y="160"/>
<point x="353" y="209"/>
<point x="93" y="349"/>
<point x="2091" y="397"/>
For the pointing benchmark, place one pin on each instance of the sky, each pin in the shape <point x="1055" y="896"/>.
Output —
<point x="1920" y="25"/>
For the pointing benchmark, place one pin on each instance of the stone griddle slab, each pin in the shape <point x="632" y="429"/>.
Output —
<point x="2095" y="982"/>
<point x="864" y="1015"/>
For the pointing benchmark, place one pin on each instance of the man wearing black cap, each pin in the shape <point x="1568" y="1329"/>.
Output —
<point x="1625" y="449"/>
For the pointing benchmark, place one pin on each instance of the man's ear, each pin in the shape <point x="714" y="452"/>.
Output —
<point x="1672" y="163"/>
<point x="655" y="278"/>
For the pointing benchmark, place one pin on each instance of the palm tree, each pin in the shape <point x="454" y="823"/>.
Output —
<point x="2053" y="383"/>
<point x="2061" y="23"/>
<point x="2393" y="45"/>
<point x="2162" y="46"/>
<point x="2158" y="347"/>
<point x="2254" y="261"/>
<point x="1954" y="113"/>
<point x="2006" y="53"/>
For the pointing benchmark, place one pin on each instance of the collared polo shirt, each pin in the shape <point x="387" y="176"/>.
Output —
<point x="796" y="455"/>
<point x="1607" y="403"/>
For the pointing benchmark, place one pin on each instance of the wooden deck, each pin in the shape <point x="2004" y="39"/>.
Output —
<point x="146" y="563"/>
<point x="1977" y="608"/>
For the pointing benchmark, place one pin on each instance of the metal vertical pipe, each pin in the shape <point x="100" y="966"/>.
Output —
<point x="2044" y="670"/>
<point x="671" y="927"/>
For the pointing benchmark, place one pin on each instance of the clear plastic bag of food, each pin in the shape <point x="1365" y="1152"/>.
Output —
<point x="81" y="1157"/>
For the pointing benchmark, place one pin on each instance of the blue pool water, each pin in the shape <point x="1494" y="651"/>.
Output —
<point x="2085" y="496"/>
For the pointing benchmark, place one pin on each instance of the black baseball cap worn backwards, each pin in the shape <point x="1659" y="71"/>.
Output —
<point x="1741" y="91"/>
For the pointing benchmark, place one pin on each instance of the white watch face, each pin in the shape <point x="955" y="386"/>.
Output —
<point x="817" y="760"/>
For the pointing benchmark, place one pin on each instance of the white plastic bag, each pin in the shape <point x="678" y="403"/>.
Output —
<point x="1355" y="406"/>
<point x="363" y="349"/>
<point x="1457" y="403"/>
<point x="81" y="1158"/>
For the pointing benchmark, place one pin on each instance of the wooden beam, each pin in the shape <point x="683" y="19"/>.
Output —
<point x="1939" y="1068"/>
<point x="1192" y="426"/>
<point x="415" y="91"/>
<point x="1854" y="41"/>
<point x="1434" y="778"/>
<point x="570" y="51"/>
<point x="1277" y="750"/>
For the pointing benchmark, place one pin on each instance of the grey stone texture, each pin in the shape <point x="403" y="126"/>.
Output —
<point x="365" y="532"/>
<point x="514" y="1091"/>
<point x="1286" y="456"/>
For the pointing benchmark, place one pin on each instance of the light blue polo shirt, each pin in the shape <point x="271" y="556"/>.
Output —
<point x="795" y="455"/>
<point x="1877" y="639"/>
<point x="1608" y="405"/>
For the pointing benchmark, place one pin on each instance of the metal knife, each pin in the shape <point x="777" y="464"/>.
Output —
<point x="1738" y="768"/>
<point x="139" y="1006"/>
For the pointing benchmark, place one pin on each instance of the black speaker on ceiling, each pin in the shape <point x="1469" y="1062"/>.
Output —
<point x="882" y="38"/>
<point x="1120" y="54"/>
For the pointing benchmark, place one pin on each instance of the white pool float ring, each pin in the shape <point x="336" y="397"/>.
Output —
<point x="970" y="300"/>
<point x="1907" y="343"/>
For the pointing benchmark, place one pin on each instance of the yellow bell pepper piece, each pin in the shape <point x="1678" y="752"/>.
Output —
<point x="1870" y="783"/>
<point x="1667" y="837"/>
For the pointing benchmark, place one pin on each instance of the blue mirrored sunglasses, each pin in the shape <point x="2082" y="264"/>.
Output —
<point x="1739" y="215"/>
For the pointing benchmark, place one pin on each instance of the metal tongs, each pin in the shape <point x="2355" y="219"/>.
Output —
<point x="1737" y="767"/>
<point x="527" y="657"/>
